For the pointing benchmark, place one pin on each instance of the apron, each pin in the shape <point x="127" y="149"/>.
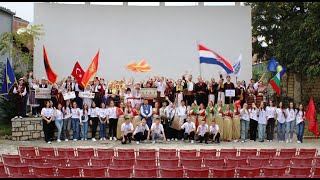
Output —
<point x="121" y="120"/>
<point x="219" y="121"/>
<point x="227" y="128"/>
<point x="236" y="127"/>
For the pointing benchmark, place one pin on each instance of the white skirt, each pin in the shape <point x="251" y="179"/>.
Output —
<point x="211" y="98"/>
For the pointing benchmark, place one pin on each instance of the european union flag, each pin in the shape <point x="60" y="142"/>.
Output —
<point x="8" y="80"/>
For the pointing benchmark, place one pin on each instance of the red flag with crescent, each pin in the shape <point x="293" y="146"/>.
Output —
<point x="78" y="73"/>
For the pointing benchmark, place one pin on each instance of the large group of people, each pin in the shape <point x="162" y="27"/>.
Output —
<point x="182" y="110"/>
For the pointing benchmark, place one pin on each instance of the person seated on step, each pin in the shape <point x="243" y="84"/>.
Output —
<point x="126" y="130"/>
<point x="156" y="130"/>
<point x="142" y="132"/>
<point x="203" y="132"/>
<point x="189" y="130"/>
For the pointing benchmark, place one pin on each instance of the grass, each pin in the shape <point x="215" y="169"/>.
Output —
<point x="5" y="128"/>
<point x="308" y="133"/>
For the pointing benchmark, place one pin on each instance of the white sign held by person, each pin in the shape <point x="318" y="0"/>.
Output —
<point x="86" y="95"/>
<point x="43" y="93"/>
<point x="148" y="93"/>
<point x="230" y="93"/>
<point x="69" y="95"/>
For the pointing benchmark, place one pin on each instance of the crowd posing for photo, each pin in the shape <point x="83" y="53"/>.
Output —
<point x="182" y="110"/>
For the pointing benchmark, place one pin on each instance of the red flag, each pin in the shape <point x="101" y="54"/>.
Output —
<point x="78" y="73"/>
<point x="52" y="76"/>
<point x="311" y="116"/>
<point x="91" y="71"/>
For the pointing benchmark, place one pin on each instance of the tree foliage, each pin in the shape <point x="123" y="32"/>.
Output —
<point x="291" y="33"/>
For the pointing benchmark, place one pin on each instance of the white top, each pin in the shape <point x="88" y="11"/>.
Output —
<point x="112" y="112"/>
<point x="165" y="111"/>
<point x="75" y="113"/>
<point x="213" y="129"/>
<point x="126" y="96"/>
<point x="190" y="86"/>
<point x="188" y="126"/>
<point x="103" y="112"/>
<point x="291" y="114"/>
<point x="64" y="85"/>
<point x="126" y="127"/>
<point x="299" y="117"/>
<point x="157" y="128"/>
<point x="141" y="128"/>
<point x="182" y="111"/>
<point x="254" y="114"/>
<point x="161" y="87"/>
<point x="262" y="117"/>
<point x="86" y="116"/>
<point x="24" y="92"/>
<point x="271" y="112"/>
<point x="201" y="130"/>
<point x="68" y="112"/>
<point x="47" y="112"/>
<point x="280" y="116"/>
<point x="58" y="114"/>
<point x="244" y="114"/>
<point x="94" y="112"/>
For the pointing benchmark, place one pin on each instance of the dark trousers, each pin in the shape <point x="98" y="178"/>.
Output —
<point x="165" y="128"/>
<point x="25" y="102"/>
<point x="189" y="136"/>
<point x="113" y="127"/>
<point x="189" y="99"/>
<point x="19" y="105"/>
<point x="215" y="98"/>
<point x="127" y="137"/>
<point x="204" y="137"/>
<point x="202" y="98"/>
<point x="97" y="99"/>
<point x="228" y="100"/>
<point x="253" y="129"/>
<point x="95" y="121"/>
<point x="171" y="133"/>
<point x="48" y="130"/>
<point x="270" y="128"/>
<point x="216" y="139"/>
<point x="140" y="136"/>
<point x="54" y="101"/>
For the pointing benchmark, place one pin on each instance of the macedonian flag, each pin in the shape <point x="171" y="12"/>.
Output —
<point x="142" y="66"/>
<point x="91" y="71"/>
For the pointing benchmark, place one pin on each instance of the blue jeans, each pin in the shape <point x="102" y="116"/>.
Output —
<point x="103" y="130"/>
<point x="261" y="131"/>
<point x="300" y="131"/>
<point x="59" y="124"/>
<point x="281" y="131"/>
<point x="244" y="129"/>
<point x="289" y="129"/>
<point x="84" y="129"/>
<point x="75" y="127"/>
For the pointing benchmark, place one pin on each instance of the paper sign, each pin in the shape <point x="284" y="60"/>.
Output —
<point x="86" y="95"/>
<point x="230" y="93"/>
<point x="43" y="93"/>
<point x="69" y="95"/>
<point x="148" y="92"/>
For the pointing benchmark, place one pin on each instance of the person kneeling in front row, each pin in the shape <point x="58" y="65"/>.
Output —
<point x="126" y="131"/>
<point x="189" y="129"/>
<point x="156" y="130"/>
<point x="214" y="132"/>
<point x="142" y="132"/>
<point x="202" y="132"/>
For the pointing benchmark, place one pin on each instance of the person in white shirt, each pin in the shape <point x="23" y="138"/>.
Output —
<point x="112" y="118"/>
<point x="245" y="119"/>
<point x="161" y="87"/>
<point x="156" y="130"/>
<point x="142" y="132"/>
<point x="262" y="121"/>
<point x="281" y="118"/>
<point x="271" y="114"/>
<point x="126" y="130"/>
<point x="214" y="133"/>
<point x="254" y="111"/>
<point x="291" y="116"/>
<point x="182" y="113"/>
<point x="103" y="113"/>
<point x="94" y="119"/>
<point x="300" y="123"/>
<point x="203" y="132"/>
<point x="66" y="120"/>
<point x="58" y="121"/>
<point x="164" y="112"/>
<point x="75" y="119"/>
<point x="47" y="114"/>
<point x="84" y="121"/>
<point x="128" y="97"/>
<point x="189" y="130"/>
<point x="87" y="100"/>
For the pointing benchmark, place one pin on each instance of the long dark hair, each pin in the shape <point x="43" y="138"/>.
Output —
<point x="283" y="107"/>
<point x="299" y="110"/>
<point x="65" y="105"/>
<point x="85" y="109"/>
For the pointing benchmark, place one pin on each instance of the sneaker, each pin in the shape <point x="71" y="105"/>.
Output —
<point x="270" y="140"/>
<point x="251" y="140"/>
<point x="20" y="117"/>
<point x="93" y="139"/>
<point x="192" y="141"/>
<point x="287" y="141"/>
<point x="75" y="140"/>
<point x="242" y="141"/>
<point x="101" y="139"/>
<point x="137" y="142"/>
<point x="267" y="140"/>
<point x="36" y="116"/>
<point x="104" y="139"/>
<point x="168" y="140"/>
<point x="213" y="142"/>
<point x="298" y="142"/>
<point x="66" y="140"/>
<point x="114" y="138"/>
<point x="110" y="138"/>
<point x="82" y="139"/>
<point x="58" y="140"/>
<point x="290" y="140"/>
<point x="49" y="142"/>
<point x="182" y="139"/>
<point x="172" y="139"/>
<point x="153" y="142"/>
<point x="176" y="139"/>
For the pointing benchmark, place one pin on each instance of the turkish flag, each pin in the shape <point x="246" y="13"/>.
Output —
<point x="91" y="71"/>
<point x="311" y="116"/>
<point x="78" y="73"/>
<point x="52" y="76"/>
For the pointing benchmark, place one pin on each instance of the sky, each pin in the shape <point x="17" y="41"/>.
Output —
<point x="24" y="10"/>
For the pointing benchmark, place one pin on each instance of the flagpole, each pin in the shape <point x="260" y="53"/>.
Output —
<point x="199" y="61"/>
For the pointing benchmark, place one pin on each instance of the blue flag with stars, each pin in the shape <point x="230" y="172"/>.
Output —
<point x="8" y="80"/>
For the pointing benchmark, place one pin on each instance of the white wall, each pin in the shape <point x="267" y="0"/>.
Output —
<point x="165" y="36"/>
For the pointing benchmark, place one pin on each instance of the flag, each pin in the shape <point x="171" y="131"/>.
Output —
<point x="141" y="66"/>
<point x="237" y="67"/>
<point x="52" y="76"/>
<point x="311" y="116"/>
<point x="91" y="71"/>
<point x="9" y="80"/>
<point x="78" y="73"/>
<point x="210" y="57"/>
<point x="274" y="66"/>
<point x="275" y="83"/>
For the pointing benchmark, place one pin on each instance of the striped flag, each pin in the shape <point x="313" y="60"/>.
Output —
<point x="275" y="83"/>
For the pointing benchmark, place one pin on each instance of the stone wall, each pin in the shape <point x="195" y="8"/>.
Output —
<point x="32" y="129"/>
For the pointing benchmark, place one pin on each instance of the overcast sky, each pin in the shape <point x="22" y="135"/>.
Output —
<point x="24" y="10"/>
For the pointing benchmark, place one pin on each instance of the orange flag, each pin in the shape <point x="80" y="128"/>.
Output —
<point x="91" y="71"/>
<point x="52" y="76"/>
<point x="142" y="66"/>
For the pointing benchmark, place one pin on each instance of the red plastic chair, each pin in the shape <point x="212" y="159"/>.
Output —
<point x="268" y="152"/>
<point x="94" y="171"/>
<point x="51" y="176"/>
<point x="248" y="172"/>
<point x="167" y="153"/>
<point x="2" y="169"/>
<point x="24" y="176"/>
<point x="128" y="153"/>
<point x="69" y="171"/>
<point x="145" y="173"/>
<point x="208" y="153"/>
<point x="302" y="160"/>
<point x="288" y="152"/>
<point x="248" y="152"/>
<point x="57" y="161"/>
<point x="44" y="152"/>
<point x="171" y="172"/>
<point x="77" y="161"/>
<point x="228" y="152"/>
<point x="315" y="176"/>
<point x="123" y="161"/>
<point x="66" y="152"/>
<point x="101" y="161"/>
<point x="202" y="172"/>
<point x="260" y="161"/>
<point x="295" y="170"/>
<point x="295" y="176"/>
<point x="146" y="161"/>
<point x="33" y="160"/>
<point x="316" y="171"/>
<point x="11" y="160"/>
<point x="43" y="169"/>
<point x="308" y="152"/>
<point x="276" y="177"/>
<point x="280" y="161"/>
<point x="85" y="152"/>
<point x="17" y="169"/>
<point x="214" y="162"/>
<point x="191" y="162"/>
<point x="105" y="152"/>
<point x="27" y="151"/>
<point x="120" y="172"/>
<point x="147" y="153"/>
<point x="11" y="155"/>
<point x="188" y="153"/>
<point x="236" y="162"/>
<point x="169" y="162"/>
<point x="226" y="172"/>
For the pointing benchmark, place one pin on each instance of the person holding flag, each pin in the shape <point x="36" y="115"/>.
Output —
<point x="20" y="91"/>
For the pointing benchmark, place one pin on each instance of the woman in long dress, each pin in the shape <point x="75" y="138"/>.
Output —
<point x="192" y="113"/>
<point x="219" y="117"/>
<point x="227" y="124"/>
<point x="120" y="114"/>
<point x="209" y="113"/>
<point x="136" y="115"/>
<point x="236" y="121"/>
<point x="202" y="114"/>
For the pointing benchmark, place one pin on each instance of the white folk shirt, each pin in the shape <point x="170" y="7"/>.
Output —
<point x="299" y="117"/>
<point x="188" y="126"/>
<point x="291" y="114"/>
<point x="244" y="114"/>
<point x="262" y="117"/>
<point x="94" y="112"/>
<point x="202" y="129"/>
<point x="157" y="128"/>
<point x="75" y="113"/>
<point x="271" y="112"/>
<point x="190" y="86"/>
<point x="58" y="114"/>
<point x="47" y="112"/>
<point x="103" y="112"/>
<point x="141" y="128"/>
<point x="280" y="116"/>
<point x="214" y="129"/>
<point x="112" y="112"/>
<point x="254" y="114"/>
<point x="161" y="87"/>
<point x="126" y="127"/>
<point x="182" y="110"/>
<point x="15" y="91"/>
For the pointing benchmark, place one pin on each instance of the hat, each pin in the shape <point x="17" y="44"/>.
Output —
<point x="20" y="79"/>
<point x="127" y="117"/>
<point x="43" y="78"/>
<point x="157" y="118"/>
